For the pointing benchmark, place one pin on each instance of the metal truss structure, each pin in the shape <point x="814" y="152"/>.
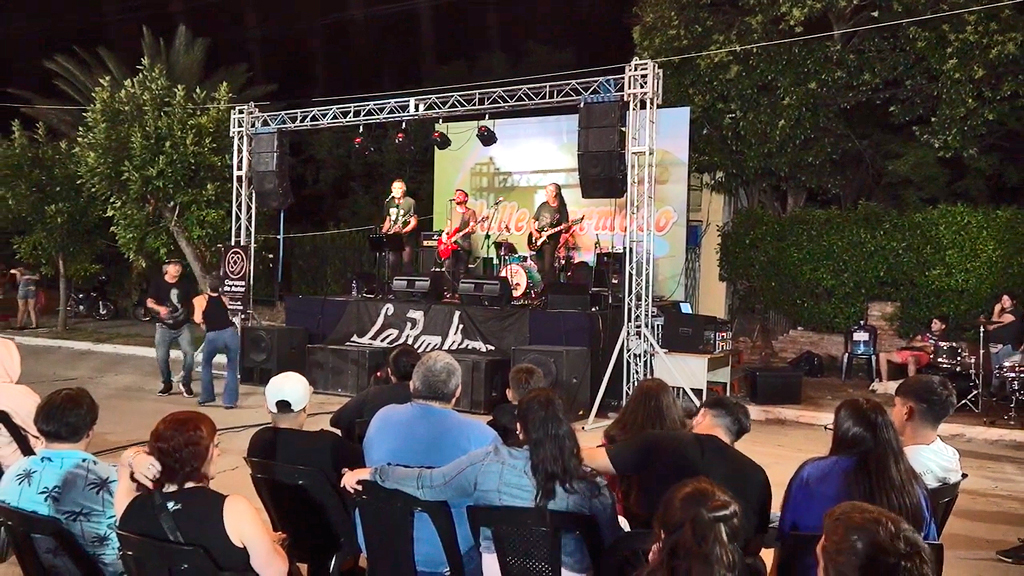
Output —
<point x="639" y="86"/>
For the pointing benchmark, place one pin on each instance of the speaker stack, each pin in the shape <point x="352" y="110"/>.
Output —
<point x="345" y="370"/>
<point x="484" y="380"/>
<point x="270" y="350"/>
<point x="572" y="374"/>
<point x="270" y="172"/>
<point x="601" y="150"/>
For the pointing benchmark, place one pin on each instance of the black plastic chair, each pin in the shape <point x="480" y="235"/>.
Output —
<point x="528" y="541"/>
<point x="938" y="556"/>
<point x="943" y="499"/>
<point x="25" y="447"/>
<point x="143" y="556"/>
<point x="798" y="545"/>
<point x="44" y="546"/>
<point x="387" y="517"/>
<point x="861" y="342"/>
<point x="628" y="554"/>
<point x="304" y="504"/>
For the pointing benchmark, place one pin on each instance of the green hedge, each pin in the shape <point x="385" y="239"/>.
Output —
<point x="819" y="268"/>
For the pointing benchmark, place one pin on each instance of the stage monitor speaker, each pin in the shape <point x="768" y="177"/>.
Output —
<point x="567" y="296"/>
<point x="484" y="380"/>
<point x="774" y="385"/>
<point x="270" y="180"/>
<point x="419" y="287"/>
<point x="345" y="370"/>
<point x="270" y="350"/>
<point x="572" y="375"/>
<point x="486" y="292"/>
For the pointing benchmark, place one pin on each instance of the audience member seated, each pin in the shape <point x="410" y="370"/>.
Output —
<point x="365" y="405"/>
<point x="651" y="407"/>
<point x="697" y="531"/>
<point x="547" y="471"/>
<point x="922" y="403"/>
<point x="65" y="482"/>
<point x="866" y="463"/>
<point x="660" y="460"/>
<point x="864" y="540"/>
<point x="228" y="527"/>
<point x="428" y="432"/>
<point x="918" y="351"/>
<point x="285" y="442"/>
<point x="19" y="402"/>
<point x="521" y="379"/>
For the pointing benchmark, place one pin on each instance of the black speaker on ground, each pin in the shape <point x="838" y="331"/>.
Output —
<point x="270" y="172"/>
<point x="572" y="378"/>
<point x="270" y="350"/>
<point x="419" y="287"/>
<point x="484" y="380"/>
<point x="601" y="146"/>
<point x="568" y="296"/>
<point x="486" y="291"/>
<point x="774" y="385"/>
<point x="345" y="370"/>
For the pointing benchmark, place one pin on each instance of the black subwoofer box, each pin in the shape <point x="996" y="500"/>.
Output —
<point x="572" y="376"/>
<point x="484" y="380"/>
<point x="774" y="385"/>
<point x="344" y="370"/>
<point x="270" y="350"/>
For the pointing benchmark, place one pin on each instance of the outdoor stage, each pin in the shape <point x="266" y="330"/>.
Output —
<point x="461" y="329"/>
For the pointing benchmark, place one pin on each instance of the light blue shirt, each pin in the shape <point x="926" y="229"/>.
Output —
<point x="429" y="436"/>
<point x="77" y="489"/>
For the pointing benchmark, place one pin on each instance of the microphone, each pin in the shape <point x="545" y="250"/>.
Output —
<point x="498" y="201"/>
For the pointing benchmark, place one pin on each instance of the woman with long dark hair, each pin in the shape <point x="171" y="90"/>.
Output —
<point x="866" y="463"/>
<point x="651" y="407"/>
<point x="228" y="527"/>
<point x="545" y="471"/>
<point x="697" y="531"/>
<point x="864" y="540"/>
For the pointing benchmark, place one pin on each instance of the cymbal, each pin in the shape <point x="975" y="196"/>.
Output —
<point x="983" y="322"/>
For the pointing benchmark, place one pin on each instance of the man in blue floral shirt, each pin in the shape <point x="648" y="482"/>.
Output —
<point x="64" y="481"/>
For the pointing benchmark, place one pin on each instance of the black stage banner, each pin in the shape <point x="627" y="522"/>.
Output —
<point x="429" y="327"/>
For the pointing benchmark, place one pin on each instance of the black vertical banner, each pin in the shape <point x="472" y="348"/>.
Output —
<point x="234" y="268"/>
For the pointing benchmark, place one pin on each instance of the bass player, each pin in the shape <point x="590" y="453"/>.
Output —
<point x="550" y="214"/>
<point x="400" y="218"/>
<point x="458" y="261"/>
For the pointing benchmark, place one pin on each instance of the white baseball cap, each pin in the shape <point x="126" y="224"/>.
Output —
<point x="289" y="386"/>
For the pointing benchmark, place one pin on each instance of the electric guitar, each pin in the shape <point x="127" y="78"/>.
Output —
<point x="535" y="243"/>
<point x="447" y="245"/>
<point x="399" y="225"/>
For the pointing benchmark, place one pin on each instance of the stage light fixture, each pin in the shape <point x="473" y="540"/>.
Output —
<point x="486" y="136"/>
<point x="403" y="140"/>
<point x="441" y="140"/>
<point x="361" y="144"/>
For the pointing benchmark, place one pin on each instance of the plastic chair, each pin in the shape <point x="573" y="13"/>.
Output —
<point x="142" y="556"/>
<point x="44" y="546"/>
<point x="25" y="447"/>
<point x="861" y="342"/>
<point x="304" y="504"/>
<point x="528" y="541"/>
<point x="387" y="517"/>
<point x="943" y="499"/>
<point x="628" y="554"/>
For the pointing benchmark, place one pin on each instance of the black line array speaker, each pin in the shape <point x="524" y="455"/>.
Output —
<point x="486" y="291"/>
<point x="345" y="370"/>
<point x="270" y="350"/>
<point x="484" y="380"/>
<point x="270" y="171"/>
<point x="600" y="147"/>
<point x="572" y="377"/>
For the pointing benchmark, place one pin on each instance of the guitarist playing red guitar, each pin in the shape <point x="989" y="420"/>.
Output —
<point x="461" y="245"/>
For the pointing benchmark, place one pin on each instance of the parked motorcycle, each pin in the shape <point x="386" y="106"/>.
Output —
<point x="93" y="302"/>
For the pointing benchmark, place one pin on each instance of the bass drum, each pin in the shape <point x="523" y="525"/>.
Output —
<point x="522" y="277"/>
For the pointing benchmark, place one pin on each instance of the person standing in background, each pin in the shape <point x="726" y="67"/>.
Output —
<point x="26" y="280"/>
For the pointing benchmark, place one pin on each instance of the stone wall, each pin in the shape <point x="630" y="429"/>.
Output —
<point x="827" y="344"/>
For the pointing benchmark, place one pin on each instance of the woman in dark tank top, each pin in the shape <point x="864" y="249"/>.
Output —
<point x="211" y="312"/>
<point x="228" y="527"/>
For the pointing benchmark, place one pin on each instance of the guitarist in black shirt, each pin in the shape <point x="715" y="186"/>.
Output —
<point x="400" y="218"/>
<point x="550" y="214"/>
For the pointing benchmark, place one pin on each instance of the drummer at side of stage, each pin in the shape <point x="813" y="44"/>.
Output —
<point x="918" y="351"/>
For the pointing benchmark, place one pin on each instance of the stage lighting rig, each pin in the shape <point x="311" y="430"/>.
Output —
<point x="403" y="141"/>
<point x="441" y="140"/>
<point x="486" y="136"/>
<point x="360" y="143"/>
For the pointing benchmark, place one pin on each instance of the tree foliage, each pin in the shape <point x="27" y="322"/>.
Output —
<point x="39" y="189"/>
<point x="927" y="112"/>
<point x="157" y="155"/>
<point x="820" y="268"/>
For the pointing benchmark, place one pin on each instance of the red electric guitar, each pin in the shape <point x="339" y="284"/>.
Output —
<point x="447" y="244"/>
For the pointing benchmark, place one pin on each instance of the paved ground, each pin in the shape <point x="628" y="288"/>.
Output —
<point x="989" y="515"/>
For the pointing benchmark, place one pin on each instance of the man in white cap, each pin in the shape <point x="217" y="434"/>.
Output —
<point x="285" y="441"/>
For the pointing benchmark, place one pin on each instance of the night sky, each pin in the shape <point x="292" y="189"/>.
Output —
<point x="312" y="48"/>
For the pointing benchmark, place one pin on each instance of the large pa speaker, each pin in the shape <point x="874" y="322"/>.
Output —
<point x="270" y="172"/>
<point x="486" y="291"/>
<point x="270" y="350"/>
<point x="601" y="146"/>
<point x="345" y="370"/>
<point x="484" y="380"/>
<point x="572" y="378"/>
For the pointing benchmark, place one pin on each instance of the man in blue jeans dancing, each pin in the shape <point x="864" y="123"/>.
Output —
<point x="171" y="299"/>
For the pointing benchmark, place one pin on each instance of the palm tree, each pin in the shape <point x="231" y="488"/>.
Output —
<point x="51" y="494"/>
<point x="78" y="75"/>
